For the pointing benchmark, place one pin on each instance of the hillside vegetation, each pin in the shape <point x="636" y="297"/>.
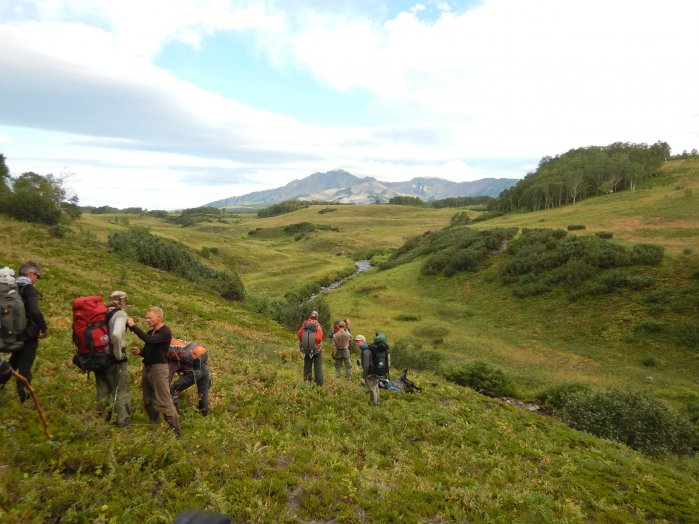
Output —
<point x="274" y="449"/>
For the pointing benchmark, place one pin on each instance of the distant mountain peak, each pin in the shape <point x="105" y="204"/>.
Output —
<point x="343" y="187"/>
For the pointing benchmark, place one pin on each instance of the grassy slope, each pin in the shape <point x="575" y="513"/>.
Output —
<point x="274" y="449"/>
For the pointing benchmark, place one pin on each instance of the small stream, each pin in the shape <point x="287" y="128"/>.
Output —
<point x="361" y="265"/>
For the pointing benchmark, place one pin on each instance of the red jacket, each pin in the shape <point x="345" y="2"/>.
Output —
<point x="319" y="331"/>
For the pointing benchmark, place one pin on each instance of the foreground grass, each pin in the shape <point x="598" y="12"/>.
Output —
<point x="275" y="449"/>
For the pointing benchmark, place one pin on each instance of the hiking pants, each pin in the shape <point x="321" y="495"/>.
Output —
<point x="342" y="356"/>
<point x="113" y="395"/>
<point x="22" y="361"/>
<point x="202" y="377"/>
<point x="315" y="364"/>
<point x="156" y="395"/>
<point x="372" y="385"/>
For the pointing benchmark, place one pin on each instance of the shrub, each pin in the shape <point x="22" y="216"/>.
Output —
<point x="649" y="361"/>
<point x="647" y="254"/>
<point x="574" y="227"/>
<point x="649" y="327"/>
<point x="139" y="244"/>
<point x="460" y="219"/>
<point x="482" y="377"/>
<point x="408" y="354"/>
<point x="631" y="417"/>
<point x="58" y="230"/>
<point x="556" y="396"/>
<point x="605" y="234"/>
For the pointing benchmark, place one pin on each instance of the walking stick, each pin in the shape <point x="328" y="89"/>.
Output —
<point x="40" y="411"/>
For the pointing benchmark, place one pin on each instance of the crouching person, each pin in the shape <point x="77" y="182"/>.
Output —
<point x="189" y="361"/>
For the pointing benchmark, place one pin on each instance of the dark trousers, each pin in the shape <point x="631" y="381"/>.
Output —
<point x="202" y="378"/>
<point x="22" y="362"/>
<point x="314" y="364"/>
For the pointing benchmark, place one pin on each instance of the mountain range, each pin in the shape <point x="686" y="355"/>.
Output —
<point x="344" y="188"/>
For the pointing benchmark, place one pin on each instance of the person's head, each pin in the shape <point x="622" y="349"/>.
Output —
<point x="347" y="323"/>
<point x="341" y="324"/>
<point x="31" y="270"/>
<point x="360" y="340"/>
<point x="154" y="317"/>
<point x="118" y="299"/>
<point x="314" y="315"/>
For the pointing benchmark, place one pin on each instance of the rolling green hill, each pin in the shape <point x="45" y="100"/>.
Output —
<point x="274" y="449"/>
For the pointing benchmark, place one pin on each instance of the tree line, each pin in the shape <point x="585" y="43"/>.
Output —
<point x="36" y="198"/>
<point x="582" y="173"/>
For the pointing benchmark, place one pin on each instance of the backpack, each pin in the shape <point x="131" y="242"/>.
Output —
<point x="91" y="333"/>
<point x="380" y="356"/>
<point x="191" y="354"/>
<point x="308" y="338"/>
<point x="13" y="317"/>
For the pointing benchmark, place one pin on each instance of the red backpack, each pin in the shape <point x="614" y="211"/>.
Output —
<point x="91" y="333"/>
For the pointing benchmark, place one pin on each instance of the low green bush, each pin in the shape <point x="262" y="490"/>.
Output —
<point x="647" y="254"/>
<point x="482" y="377"/>
<point x="556" y="396"/>
<point x="574" y="227"/>
<point x="605" y="234"/>
<point x="649" y="327"/>
<point x="410" y="355"/>
<point x="631" y="417"/>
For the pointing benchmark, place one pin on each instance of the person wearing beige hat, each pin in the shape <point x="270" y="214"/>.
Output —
<point x="113" y="394"/>
<point x="340" y="350"/>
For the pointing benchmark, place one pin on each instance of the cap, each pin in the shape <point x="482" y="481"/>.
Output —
<point x="314" y="314"/>
<point x="118" y="295"/>
<point x="341" y="324"/>
<point x="360" y="338"/>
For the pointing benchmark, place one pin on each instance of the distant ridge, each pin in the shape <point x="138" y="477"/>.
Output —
<point x="345" y="188"/>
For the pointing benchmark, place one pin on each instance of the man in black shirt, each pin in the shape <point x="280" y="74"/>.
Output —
<point x="154" y="380"/>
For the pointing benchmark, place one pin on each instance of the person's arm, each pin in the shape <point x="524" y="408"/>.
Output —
<point x="160" y="336"/>
<point x="31" y="301"/>
<point x="117" y="334"/>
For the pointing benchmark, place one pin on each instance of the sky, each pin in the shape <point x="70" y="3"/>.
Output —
<point x="170" y="104"/>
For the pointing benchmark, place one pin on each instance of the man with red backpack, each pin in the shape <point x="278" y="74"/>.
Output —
<point x="310" y="344"/>
<point x="112" y="381"/>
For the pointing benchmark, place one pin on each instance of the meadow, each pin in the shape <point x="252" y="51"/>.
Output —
<point x="275" y="449"/>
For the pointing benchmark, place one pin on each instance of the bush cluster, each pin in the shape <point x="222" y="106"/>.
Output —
<point x="631" y="417"/>
<point x="139" y="244"/>
<point x="585" y="265"/>
<point x="482" y="377"/>
<point x="408" y="354"/>
<point x="451" y="250"/>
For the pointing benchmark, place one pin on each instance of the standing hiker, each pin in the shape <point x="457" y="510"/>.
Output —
<point x="340" y="350"/>
<point x="310" y="344"/>
<point x="112" y="381"/>
<point x="371" y="379"/>
<point x="154" y="380"/>
<point x="22" y="359"/>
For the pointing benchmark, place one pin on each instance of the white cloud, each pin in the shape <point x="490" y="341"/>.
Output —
<point x="504" y="78"/>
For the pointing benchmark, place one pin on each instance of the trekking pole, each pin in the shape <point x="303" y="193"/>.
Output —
<point x="40" y="411"/>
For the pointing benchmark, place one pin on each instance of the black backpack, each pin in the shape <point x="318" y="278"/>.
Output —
<point x="380" y="356"/>
<point x="13" y="319"/>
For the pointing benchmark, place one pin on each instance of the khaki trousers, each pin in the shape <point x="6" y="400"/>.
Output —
<point x="156" y="395"/>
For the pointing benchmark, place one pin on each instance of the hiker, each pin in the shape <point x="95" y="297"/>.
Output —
<point x="112" y="381"/>
<point x="310" y="344"/>
<point x="22" y="359"/>
<point x="347" y="325"/>
<point x="340" y="350"/>
<point x="190" y="361"/>
<point x="154" y="378"/>
<point x="371" y="380"/>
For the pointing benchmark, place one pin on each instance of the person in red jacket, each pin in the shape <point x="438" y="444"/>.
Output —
<point x="310" y="343"/>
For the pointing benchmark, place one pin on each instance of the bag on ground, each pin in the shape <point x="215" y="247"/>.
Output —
<point x="190" y="354"/>
<point x="91" y="334"/>
<point x="13" y="317"/>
